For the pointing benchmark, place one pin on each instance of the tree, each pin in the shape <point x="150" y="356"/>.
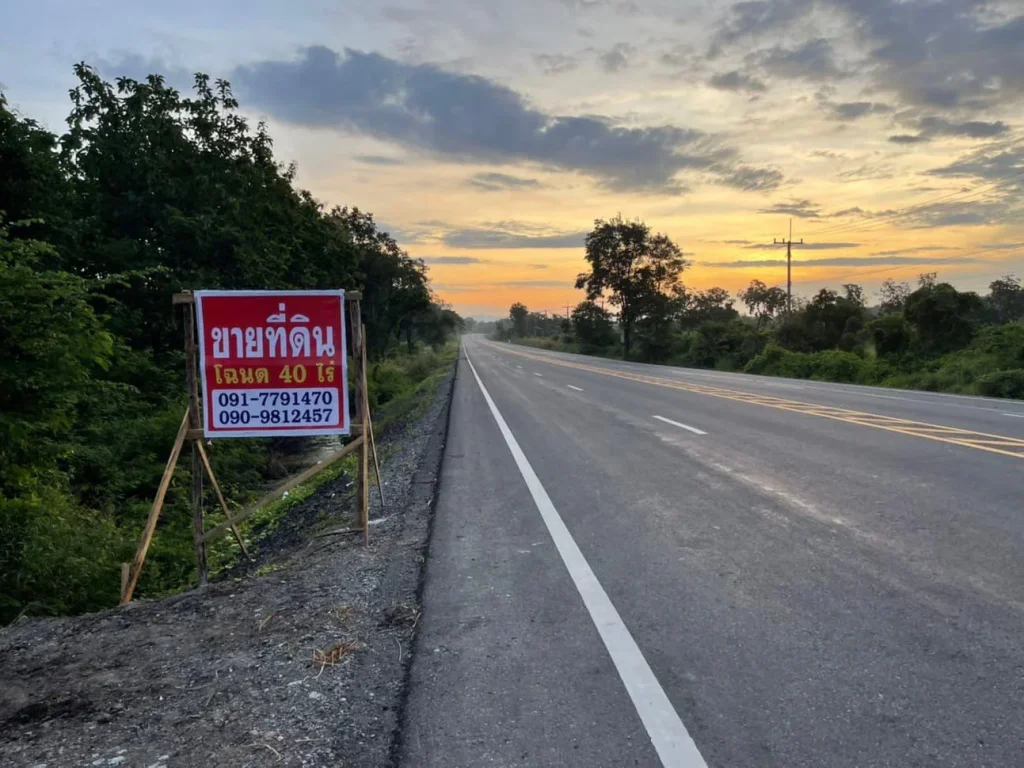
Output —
<point x="519" y="315"/>
<point x="714" y="305"/>
<point x="943" y="319"/>
<point x="592" y="325"/>
<point x="892" y="296"/>
<point x="632" y="266"/>
<point x="764" y="303"/>
<point x="1006" y="299"/>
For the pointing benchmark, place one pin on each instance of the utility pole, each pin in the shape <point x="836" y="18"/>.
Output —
<point x="789" y="265"/>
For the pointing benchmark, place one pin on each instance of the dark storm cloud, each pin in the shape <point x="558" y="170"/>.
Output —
<point x="555" y="63"/>
<point x="496" y="182"/>
<point x="736" y="81"/>
<point x="837" y="261"/>
<point x="470" y="118"/>
<point x="803" y="209"/>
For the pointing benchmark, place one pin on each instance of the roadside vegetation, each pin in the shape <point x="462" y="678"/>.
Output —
<point x="148" y="193"/>
<point x="928" y="336"/>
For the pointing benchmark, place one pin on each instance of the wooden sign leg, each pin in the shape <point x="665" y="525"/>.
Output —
<point x="364" y="470"/>
<point x="195" y="422"/>
<point x="220" y="497"/>
<point x="376" y="462"/>
<point x="129" y="581"/>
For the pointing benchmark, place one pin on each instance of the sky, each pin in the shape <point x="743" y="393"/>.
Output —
<point x="487" y="137"/>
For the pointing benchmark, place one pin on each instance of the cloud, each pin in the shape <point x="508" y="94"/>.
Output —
<point x="616" y="58"/>
<point x="452" y="260"/>
<point x="138" y="67"/>
<point x="467" y="118"/>
<point x="511" y="234"/>
<point x="1002" y="246"/>
<point x="803" y="209"/>
<point x="836" y="261"/>
<point x="378" y="160"/>
<point x="498" y="182"/>
<point x="1003" y="164"/>
<point x="974" y="129"/>
<point x="812" y="60"/>
<point x="747" y="19"/>
<point x="957" y="214"/>
<point x="804" y="246"/>
<point x="939" y="54"/>
<point x="854" y="110"/>
<point x="917" y="249"/>
<point x="906" y="138"/>
<point x="556" y="63"/>
<point x="737" y="81"/>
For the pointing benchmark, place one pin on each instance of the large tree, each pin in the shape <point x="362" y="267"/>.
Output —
<point x="519" y="315"/>
<point x="764" y="303"/>
<point x="631" y="266"/>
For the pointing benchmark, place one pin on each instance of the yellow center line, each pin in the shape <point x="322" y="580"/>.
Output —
<point x="982" y="441"/>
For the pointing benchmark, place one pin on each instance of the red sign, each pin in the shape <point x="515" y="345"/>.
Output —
<point x="273" y="363"/>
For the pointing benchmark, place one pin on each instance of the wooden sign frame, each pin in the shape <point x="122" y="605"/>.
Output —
<point x="191" y="430"/>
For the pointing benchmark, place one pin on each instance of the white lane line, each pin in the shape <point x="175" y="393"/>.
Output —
<point x="669" y="736"/>
<point x="519" y="367"/>
<point x="1015" y="415"/>
<point x="681" y="425"/>
<point x="537" y="374"/>
<point x="570" y="386"/>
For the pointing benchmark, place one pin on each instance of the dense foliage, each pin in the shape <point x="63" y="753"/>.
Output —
<point x="148" y="193"/>
<point x="931" y="337"/>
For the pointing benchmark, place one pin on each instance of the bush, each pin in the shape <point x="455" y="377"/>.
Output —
<point x="1002" y="384"/>
<point x="834" y="365"/>
<point x="387" y="380"/>
<point x="776" y="361"/>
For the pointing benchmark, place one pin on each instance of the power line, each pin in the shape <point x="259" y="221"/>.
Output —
<point x="891" y="269"/>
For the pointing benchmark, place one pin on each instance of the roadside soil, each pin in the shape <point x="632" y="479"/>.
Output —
<point x="303" y="665"/>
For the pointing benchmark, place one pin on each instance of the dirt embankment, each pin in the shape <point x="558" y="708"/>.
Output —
<point x="304" y="664"/>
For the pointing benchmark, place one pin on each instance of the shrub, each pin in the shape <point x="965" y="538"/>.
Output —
<point x="776" y="361"/>
<point x="834" y="365"/>
<point x="1002" y="384"/>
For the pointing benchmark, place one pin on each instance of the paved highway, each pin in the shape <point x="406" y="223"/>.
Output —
<point x="641" y="565"/>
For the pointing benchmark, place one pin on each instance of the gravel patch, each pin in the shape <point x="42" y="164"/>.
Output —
<point x="303" y="665"/>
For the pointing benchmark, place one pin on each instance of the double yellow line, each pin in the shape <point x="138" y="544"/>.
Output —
<point x="982" y="441"/>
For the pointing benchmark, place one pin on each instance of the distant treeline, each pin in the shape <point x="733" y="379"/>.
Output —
<point x="929" y="336"/>
<point x="147" y="193"/>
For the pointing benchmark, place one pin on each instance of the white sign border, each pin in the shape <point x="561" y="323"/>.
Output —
<point x="198" y="296"/>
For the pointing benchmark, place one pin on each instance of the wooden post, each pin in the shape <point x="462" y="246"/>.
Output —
<point x="195" y="422"/>
<point x="128" y="585"/>
<point x="220" y="498"/>
<point x="364" y="453"/>
<point x="359" y="361"/>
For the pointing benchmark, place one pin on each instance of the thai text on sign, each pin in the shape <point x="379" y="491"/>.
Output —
<point x="273" y="363"/>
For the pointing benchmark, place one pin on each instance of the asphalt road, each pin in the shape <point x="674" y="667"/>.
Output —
<point x="793" y="573"/>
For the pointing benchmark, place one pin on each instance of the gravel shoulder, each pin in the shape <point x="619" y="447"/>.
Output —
<point x="305" y="664"/>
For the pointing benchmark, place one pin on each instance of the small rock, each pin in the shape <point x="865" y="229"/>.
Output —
<point x="315" y="695"/>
